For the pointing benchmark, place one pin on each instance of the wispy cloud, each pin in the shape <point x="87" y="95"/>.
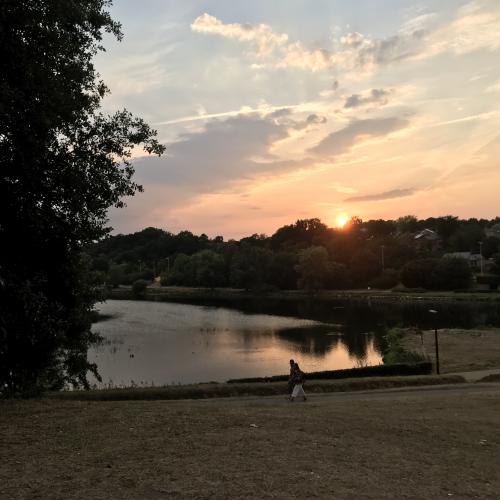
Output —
<point x="492" y="89"/>
<point x="373" y="96"/>
<point x="261" y="35"/>
<point x="340" y="188"/>
<point x="475" y="26"/>
<point x="387" y="195"/>
<point x="351" y="51"/>
<point x="343" y="140"/>
<point x="262" y="110"/>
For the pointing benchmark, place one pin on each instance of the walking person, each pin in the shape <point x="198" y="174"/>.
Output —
<point x="298" y="380"/>
<point x="291" y="383"/>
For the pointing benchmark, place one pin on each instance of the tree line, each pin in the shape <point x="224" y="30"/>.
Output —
<point x="304" y="255"/>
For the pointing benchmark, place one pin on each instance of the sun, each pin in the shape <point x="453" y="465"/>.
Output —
<point x="342" y="220"/>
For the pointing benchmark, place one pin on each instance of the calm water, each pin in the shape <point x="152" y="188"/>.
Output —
<point x="162" y="343"/>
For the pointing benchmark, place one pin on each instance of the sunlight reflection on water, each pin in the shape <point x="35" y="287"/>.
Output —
<point x="156" y="343"/>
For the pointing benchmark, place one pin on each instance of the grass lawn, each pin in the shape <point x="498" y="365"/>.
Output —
<point x="459" y="350"/>
<point x="218" y="390"/>
<point x="435" y="444"/>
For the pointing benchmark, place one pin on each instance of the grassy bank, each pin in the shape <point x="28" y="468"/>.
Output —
<point x="204" y="391"/>
<point x="174" y="293"/>
<point x="459" y="350"/>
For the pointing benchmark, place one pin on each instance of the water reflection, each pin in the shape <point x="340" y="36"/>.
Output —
<point x="158" y="343"/>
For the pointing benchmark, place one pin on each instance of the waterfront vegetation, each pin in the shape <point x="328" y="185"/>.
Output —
<point x="433" y="254"/>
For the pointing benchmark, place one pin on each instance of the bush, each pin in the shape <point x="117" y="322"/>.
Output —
<point x="420" y="368"/>
<point x="139" y="288"/>
<point x="395" y="353"/>
<point x="452" y="273"/>
<point x="449" y="273"/>
<point x="388" y="279"/>
<point x="492" y="280"/>
<point x="419" y="273"/>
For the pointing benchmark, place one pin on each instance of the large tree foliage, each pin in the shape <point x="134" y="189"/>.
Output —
<point x="63" y="164"/>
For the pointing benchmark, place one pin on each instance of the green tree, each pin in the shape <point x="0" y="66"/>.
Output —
<point x="249" y="266"/>
<point x="419" y="273"/>
<point x="63" y="165"/>
<point x="407" y="224"/>
<point x="209" y="269"/>
<point x="365" y="265"/>
<point x="452" y="274"/>
<point x="313" y="268"/>
<point x="302" y="234"/>
<point x="437" y="274"/>
<point x="447" y="226"/>
<point x="181" y="272"/>
<point x="282" y="273"/>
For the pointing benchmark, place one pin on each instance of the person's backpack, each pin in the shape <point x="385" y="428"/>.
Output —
<point x="299" y="377"/>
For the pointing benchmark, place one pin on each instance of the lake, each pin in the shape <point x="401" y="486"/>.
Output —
<point x="156" y="343"/>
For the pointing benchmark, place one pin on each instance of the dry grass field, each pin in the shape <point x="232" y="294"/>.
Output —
<point x="459" y="350"/>
<point x="411" y="444"/>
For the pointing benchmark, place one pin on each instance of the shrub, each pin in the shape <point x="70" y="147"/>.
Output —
<point x="388" y="279"/>
<point x="492" y="280"/>
<point x="420" y="368"/>
<point x="395" y="353"/>
<point x="419" y="273"/>
<point x="450" y="273"/>
<point x="139" y="288"/>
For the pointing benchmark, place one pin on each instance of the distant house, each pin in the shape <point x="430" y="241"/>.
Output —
<point x="428" y="239"/>
<point x="427" y="234"/>
<point x="493" y="231"/>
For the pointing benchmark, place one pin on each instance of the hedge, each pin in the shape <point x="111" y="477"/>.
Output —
<point x="424" y="368"/>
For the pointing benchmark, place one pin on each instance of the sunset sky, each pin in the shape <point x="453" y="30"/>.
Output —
<point x="275" y="111"/>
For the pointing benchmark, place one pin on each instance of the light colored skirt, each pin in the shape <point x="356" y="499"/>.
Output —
<point x="298" y="390"/>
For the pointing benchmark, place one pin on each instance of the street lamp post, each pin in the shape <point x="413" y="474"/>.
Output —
<point x="382" y="257"/>
<point x="481" y="256"/>
<point x="436" y="341"/>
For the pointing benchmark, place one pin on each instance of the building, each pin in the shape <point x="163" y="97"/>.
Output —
<point x="493" y="231"/>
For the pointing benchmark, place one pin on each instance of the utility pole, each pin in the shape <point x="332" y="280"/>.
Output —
<point x="481" y="256"/>
<point x="436" y="341"/>
<point x="382" y="257"/>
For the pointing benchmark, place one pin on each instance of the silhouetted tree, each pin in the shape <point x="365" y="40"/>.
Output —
<point x="281" y="272"/>
<point x="452" y="274"/>
<point x="208" y="268"/>
<point x="407" y="224"/>
<point x="419" y="273"/>
<point x="313" y="268"/>
<point x="249" y="267"/>
<point x="63" y="165"/>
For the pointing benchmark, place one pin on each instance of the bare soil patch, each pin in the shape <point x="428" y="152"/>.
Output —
<point x="459" y="350"/>
<point x="428" y="444"/>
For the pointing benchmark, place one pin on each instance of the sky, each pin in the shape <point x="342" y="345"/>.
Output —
<point x="292" y="109"/>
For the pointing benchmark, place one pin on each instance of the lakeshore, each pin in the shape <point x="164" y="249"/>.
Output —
<point x="180" y="293"/>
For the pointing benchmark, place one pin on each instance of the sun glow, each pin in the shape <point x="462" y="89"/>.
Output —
<point x="342" y="220"/>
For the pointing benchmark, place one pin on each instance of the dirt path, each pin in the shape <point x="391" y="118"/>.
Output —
<point x="408" y="443"/>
